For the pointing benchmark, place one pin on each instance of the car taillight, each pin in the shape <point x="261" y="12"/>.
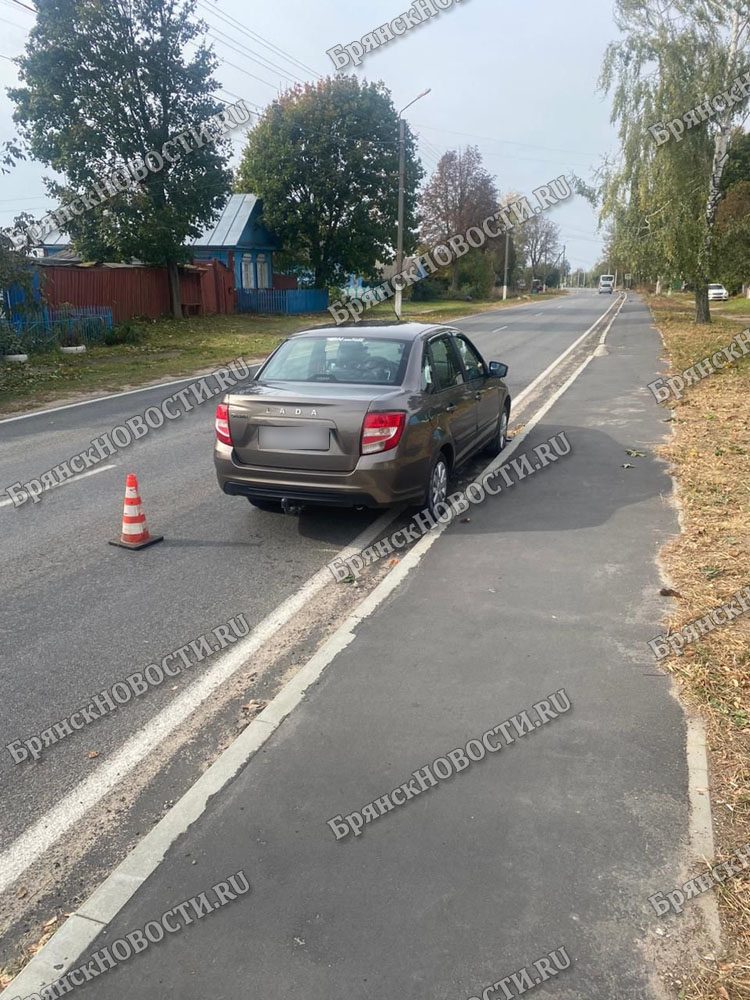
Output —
<point x="382" y="431"/>
<point x="223" y="433"/>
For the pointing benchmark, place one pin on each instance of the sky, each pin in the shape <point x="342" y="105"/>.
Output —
<point x="517" y="79"/>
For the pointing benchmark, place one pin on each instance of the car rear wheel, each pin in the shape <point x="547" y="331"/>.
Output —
<point x="437" y="489"/>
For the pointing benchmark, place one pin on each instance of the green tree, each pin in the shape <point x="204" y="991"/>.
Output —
<point x="459" y="195"/>
<point x="738" y="164"/>
<point x="538" y="242"/>
<point x="324" y="160"/>
<point x="670" y="59"/>
<point x="104" y="83"/>
<point x="13" y="267"/>
<point x="732" y="242"/>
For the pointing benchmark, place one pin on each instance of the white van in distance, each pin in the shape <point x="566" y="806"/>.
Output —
<point x="606" y="283"/>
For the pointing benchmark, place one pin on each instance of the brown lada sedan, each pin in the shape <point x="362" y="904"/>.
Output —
<point x="366" y="416"/>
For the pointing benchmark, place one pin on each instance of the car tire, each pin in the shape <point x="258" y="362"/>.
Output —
<point x="437" y="484"/>
<point x="500" y="438"/>
<point x="274" y="506"/>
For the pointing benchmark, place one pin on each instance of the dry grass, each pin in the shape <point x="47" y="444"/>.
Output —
<point x="708" y="562"/>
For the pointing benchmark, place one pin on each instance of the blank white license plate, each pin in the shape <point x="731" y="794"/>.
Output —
<point x="294" y="438"/>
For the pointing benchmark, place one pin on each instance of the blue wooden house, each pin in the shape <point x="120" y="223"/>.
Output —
<point x="237" y="238"/>
<point x="241" y="242"/>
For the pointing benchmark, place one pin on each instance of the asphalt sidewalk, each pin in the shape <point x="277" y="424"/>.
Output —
<point x="556" y="841"/>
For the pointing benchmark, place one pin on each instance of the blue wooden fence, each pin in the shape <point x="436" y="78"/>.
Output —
<point x="40" y="329"/>
<point x="301" y="300"/>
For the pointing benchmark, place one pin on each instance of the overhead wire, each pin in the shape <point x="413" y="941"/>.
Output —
<point x="259" y="39"/>
<point x="247" y="53"/>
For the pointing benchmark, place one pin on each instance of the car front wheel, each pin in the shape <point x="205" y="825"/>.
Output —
<point x="500" y="439"/>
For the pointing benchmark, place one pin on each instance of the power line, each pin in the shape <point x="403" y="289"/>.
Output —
<point x="238" y="26"/>
<point x="13" y="24"/>
<point x="248" y="53"/>
<point x="510" y="142"/>
<point x="241" y="70"/>
<point x="25" y="7"/>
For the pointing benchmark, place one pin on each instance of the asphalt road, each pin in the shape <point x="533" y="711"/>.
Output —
<point x="556" y="841"/>
<point x="77" y="615"/>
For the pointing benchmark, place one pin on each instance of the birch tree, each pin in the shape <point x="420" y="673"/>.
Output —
<point x="677" y="102"/>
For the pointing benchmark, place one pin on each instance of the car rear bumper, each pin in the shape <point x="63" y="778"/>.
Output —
<point x="377" y="481"/>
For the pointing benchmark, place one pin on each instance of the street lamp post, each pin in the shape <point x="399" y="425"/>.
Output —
<point x="401" y="186"/>
<point x="505" y="275"/>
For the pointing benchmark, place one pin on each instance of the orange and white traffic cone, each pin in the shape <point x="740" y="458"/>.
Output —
<point x="134" y="531"/>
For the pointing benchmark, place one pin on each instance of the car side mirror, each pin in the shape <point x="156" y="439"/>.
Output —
<point x="498" y="369"/>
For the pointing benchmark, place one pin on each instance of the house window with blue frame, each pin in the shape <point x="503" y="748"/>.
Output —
<point x="248" y="271"/>
<point x="264" y="271"/>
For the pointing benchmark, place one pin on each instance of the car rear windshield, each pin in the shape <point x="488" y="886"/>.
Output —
<point x="717" y="288"/>
<point x="366" y="360"/>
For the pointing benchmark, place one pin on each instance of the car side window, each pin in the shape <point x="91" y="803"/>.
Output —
<point x="429" y="381"/>
<point x="446" y="366"/>
<point x="473" y="363"/>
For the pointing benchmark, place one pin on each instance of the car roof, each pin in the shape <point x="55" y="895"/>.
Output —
<point x="388" y="331"/>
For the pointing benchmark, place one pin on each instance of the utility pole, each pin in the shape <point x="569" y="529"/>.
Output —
<point x="505" y="277"/>
<point x="401" y="186"/>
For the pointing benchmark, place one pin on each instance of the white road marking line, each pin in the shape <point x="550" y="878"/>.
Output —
<point x="67" y="482"/>
<point x="499" y="329"/>
<point x="47" y="830"/>
<point x="548" y="371"/>
<point x="72" y="940"/>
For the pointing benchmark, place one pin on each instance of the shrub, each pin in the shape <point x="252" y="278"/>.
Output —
<point x="476" y="275"/>
<point x="69" y="334"/>
<point x="428" y="290"/>
<point x="127" y="332"/>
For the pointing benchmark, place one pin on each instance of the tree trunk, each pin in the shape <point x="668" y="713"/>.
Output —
<point x="720" y="157"/>
<point x="454" y="276"/>
<point x="702" y="309"/>
<point x="173" y="279"/>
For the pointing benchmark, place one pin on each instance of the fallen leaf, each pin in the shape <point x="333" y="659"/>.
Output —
<point x="668" y="592"/>
<point x="251" y="707"/>
<point x="93" y="754"/>
<point x="21" y="893"/>
<point x="626" y="466"/>
<point x="465" y="520"/>
<point x="635" y="454"/>
<point x="49" y="923"/>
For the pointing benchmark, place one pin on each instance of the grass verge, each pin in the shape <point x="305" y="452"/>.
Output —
<point x="171" y="348"/>
<point x="707" y="563"/>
